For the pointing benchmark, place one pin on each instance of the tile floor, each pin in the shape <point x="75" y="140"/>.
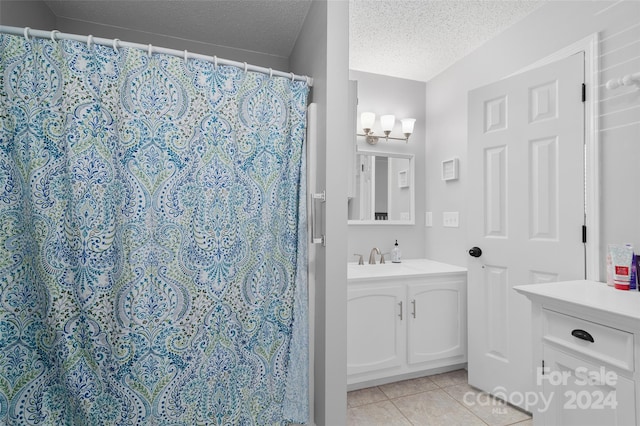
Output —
<point x="443" y="399"/>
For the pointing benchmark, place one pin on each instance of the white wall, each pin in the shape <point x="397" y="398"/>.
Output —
<point x="399" y="197"/>
<point x="547" y="30"/>
<point x="404" y="98"/>
<point x="321" y="51"/>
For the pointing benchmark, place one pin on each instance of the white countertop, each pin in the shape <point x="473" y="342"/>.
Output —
<point x="406" y="269"/>
<point x="590" y="294"/>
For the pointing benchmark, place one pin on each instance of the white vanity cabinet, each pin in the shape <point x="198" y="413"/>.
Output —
<point x="582" y="392"/>
<point x="375" y="332"/>
<point x="436" y="320"/>
<point x="403" y="326"/>
<point x="586" y="354"/>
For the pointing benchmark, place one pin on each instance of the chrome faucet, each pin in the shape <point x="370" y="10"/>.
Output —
<point x="372" y="255"/>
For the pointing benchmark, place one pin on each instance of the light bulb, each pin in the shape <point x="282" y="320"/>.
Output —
<point x="366" y="120"/>
<point x="387" y="122"/>
<point x="407" y="126"/>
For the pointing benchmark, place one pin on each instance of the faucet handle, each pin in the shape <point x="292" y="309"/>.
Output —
<point x="382" y="257"/>
<point x="360" y="261"/>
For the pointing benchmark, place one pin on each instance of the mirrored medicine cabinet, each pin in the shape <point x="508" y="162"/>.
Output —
<point x="384" y="189"/>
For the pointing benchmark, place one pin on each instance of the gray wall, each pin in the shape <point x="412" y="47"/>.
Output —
<point x="34" y="14"/>
<point x="547" y="30"/>
<point x="404" y="98"/>
<point x="256" y="58"/>
<point x="37" y="15"/>
<point x="382" y="185"/>
<point x="322" y="52"/>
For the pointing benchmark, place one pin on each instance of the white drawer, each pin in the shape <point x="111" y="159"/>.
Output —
<point x="609" y="344"/>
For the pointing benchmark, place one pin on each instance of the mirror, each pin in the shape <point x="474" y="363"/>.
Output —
<point x="384" y="189"/>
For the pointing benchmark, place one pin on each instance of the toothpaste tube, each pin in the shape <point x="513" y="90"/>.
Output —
<point x="634" y="273"/>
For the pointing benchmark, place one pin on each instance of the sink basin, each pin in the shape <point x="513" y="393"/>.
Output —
<point x="385" y="268"/>
<point x="408" y="268"/>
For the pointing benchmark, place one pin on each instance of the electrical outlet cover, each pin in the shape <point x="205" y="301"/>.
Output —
<point x="428" y="219"/>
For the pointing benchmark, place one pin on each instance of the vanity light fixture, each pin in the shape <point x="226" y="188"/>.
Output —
<point x="367" y="119"/>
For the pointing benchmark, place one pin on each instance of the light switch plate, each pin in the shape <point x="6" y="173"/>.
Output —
<point x="450" y="219"/>
<point x="428" y="219"/>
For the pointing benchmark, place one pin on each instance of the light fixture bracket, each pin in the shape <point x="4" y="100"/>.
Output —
<point x="373" y="139"/>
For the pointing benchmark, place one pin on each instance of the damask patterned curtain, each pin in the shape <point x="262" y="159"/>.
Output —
<point x="152" y="240"/>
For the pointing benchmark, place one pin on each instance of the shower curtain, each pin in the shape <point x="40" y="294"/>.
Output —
<point x="152" y="239"/>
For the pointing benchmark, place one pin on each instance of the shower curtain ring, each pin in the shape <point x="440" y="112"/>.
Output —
<point x="215" y="62"/>
<point x="270" y="72"/>
<point x="293" y="77"/>
<point x="26" y="33"/>
<point x="53" y="35"/>
<point x="89" y="41"/>
<point x="115" y="44"/>
<point x="149" y="50"/>
<point x="185" y="56"/>
<point x="245" y="67"/>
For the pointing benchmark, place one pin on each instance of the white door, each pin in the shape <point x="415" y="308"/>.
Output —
<point x="526" y="212"/>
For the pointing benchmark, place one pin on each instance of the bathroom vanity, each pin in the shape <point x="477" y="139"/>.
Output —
<point x="404" y="320"/>
<point x="586" y="343"/>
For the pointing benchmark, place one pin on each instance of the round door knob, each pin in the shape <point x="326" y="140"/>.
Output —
<point x="475" y="252"/>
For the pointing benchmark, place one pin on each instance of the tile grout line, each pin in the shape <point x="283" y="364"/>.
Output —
<point x="414" y="392"/>
<point x="464" y="406"/>
<point x="432" y="390"/>
<point x="438" y="387"/>
<point x="401" y="413"/>
<point x="367" y="403"/>
<point x="494" y="398"/>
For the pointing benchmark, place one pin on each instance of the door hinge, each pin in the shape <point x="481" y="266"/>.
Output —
<point x="584" y="234"/>
<point x="543" y="367"/>
<point x="584" y="92"/>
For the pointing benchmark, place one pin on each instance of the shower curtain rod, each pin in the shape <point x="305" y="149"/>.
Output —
<point x="116" y="43"/>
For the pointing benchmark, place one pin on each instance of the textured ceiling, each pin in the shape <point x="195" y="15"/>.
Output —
<point x="419" y="39"/>
<point x="407" y="39"/>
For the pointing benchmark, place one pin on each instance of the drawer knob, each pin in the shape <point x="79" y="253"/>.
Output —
<point x="584" y="335"/>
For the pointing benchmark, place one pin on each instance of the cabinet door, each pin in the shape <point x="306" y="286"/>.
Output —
<point x="437" y="320"/>
<point x="375" y="328"/>
<point x="584" y="393"/>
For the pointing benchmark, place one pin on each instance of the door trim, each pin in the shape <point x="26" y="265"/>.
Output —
<point x="589" y="45"/>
